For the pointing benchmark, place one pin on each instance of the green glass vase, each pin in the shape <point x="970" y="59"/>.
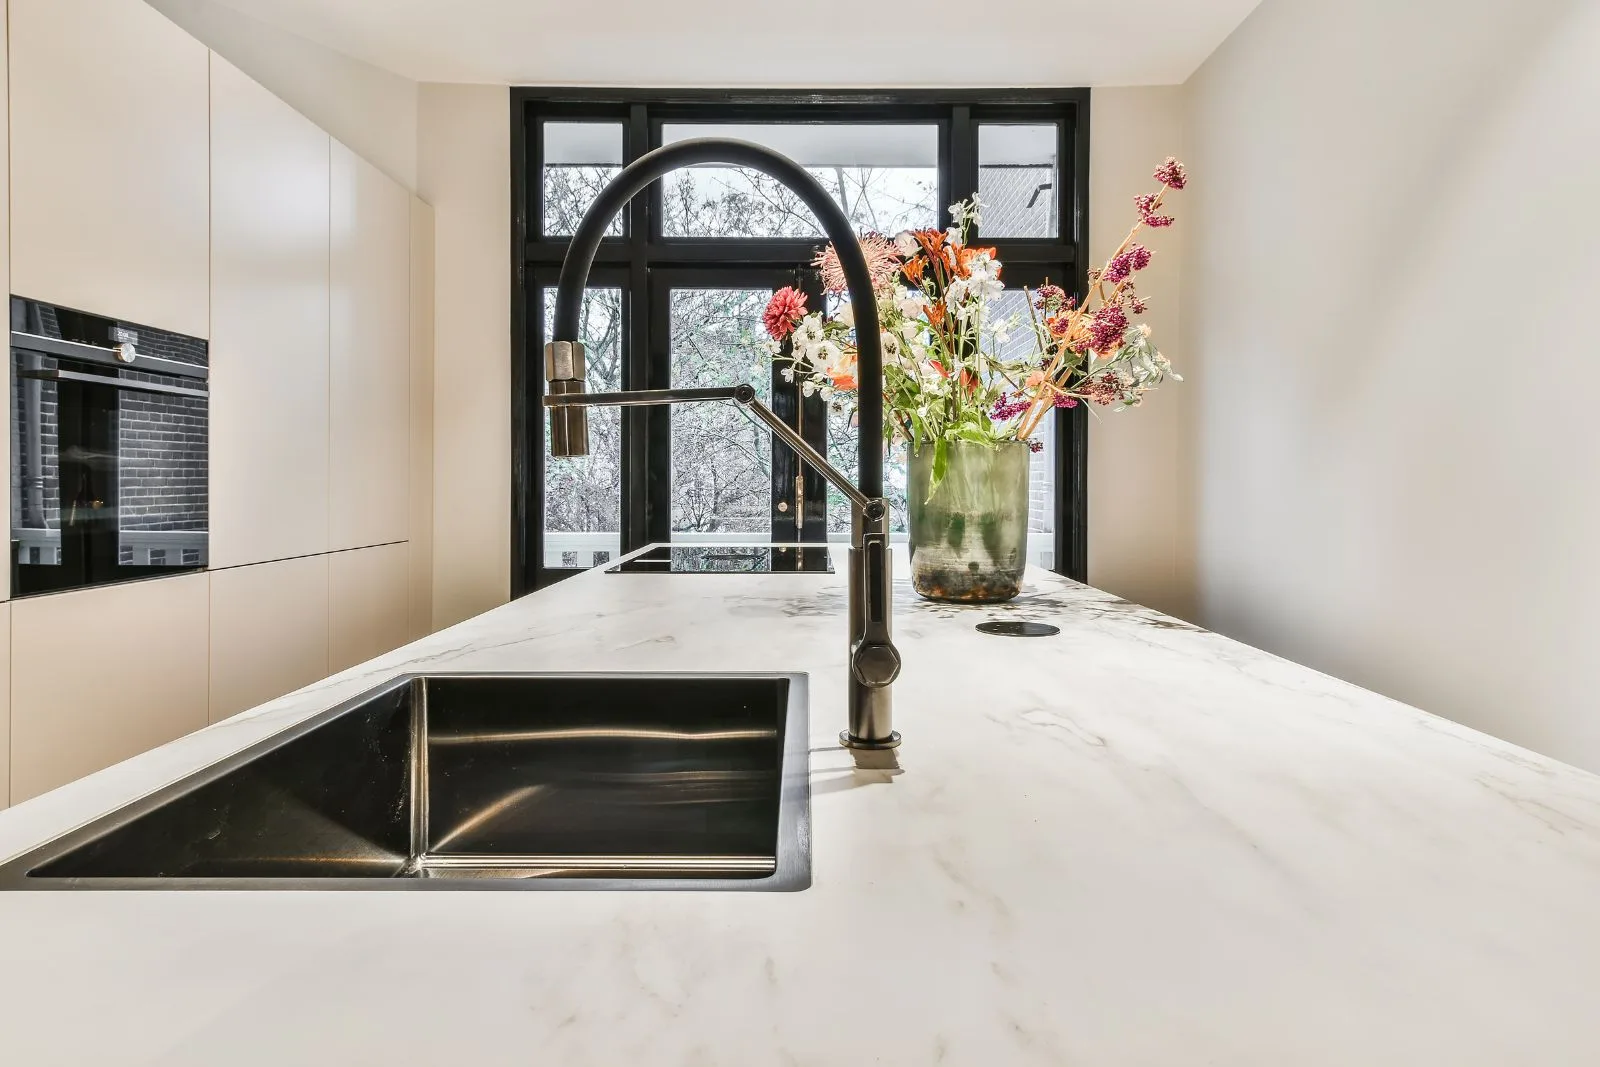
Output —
<point x="969" y="535"/>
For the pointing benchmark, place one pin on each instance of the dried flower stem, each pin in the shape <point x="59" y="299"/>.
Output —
<point x="1045" y="400"/>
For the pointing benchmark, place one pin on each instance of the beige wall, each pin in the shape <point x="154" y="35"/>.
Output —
<point x="1141" y="529"/>
<point x="370" y="109"/>
<point x="464" y="171"/>
<point x="1389" y="302"/>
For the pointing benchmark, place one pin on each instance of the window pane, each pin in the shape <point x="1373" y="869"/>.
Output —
<point x="885" y="177"/>
<point x="583" y="496"/>
<point x="844" y="446"/>
<point x="1017" y="180"/>
<point x="579" y="159"/>
<point x="721" y="459"/>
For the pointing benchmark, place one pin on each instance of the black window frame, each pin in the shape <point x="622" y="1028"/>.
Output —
<point x="636" y="259"/>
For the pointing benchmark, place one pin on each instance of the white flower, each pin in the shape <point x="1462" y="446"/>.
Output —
<point x="911" y="304"/>
<point x="1002" y="332"/>
<point x="808" y="388"/>
<point x="891" y="347"/>
<point x="788" y="374"/>
<point x="809" y="333"/>
<point x="905" y="242"/>
<point x="967" y="212"/>
<point x="846" y="314"/>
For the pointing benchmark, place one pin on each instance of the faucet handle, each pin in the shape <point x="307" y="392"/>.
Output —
<point x="875" y="663"/>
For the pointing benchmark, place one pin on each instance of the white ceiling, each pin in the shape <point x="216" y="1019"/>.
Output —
<point x="798" y="43"/>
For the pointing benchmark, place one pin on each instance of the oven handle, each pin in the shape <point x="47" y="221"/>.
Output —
<point x="124" y="357"/>
<point x="115" y="383"/>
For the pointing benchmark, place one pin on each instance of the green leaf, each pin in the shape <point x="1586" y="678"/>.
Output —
<point x="941" y="465"/>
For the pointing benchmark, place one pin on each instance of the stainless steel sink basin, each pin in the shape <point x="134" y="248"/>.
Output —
<point x="535" y="781"/>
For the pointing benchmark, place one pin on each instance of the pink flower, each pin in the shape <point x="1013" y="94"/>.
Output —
<point x="1122" y="266"/>
<point x="1062" y="400"/>
<point x="1146" y="206"/>
<point x="1049" y="297"/>
<point x="784" y="311"/>
<point x="883" y="263"/>
<point x="1009" y="407"/>
<point x="1105" y="332"/>
<point x="1171" y="174"/>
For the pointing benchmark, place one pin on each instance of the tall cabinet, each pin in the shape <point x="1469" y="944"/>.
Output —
<point x="109" y="145"/>
<point x="153" y="181"/>
<point x="269" y="309"/>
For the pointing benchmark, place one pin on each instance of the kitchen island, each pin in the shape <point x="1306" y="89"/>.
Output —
<point x="1133" y="843"/>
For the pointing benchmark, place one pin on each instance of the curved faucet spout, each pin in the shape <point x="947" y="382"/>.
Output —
<point x="874" y="661"/>
<point x="638" y="175"/>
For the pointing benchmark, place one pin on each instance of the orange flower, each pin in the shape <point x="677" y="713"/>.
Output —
<point x="844" y="380"/>
<point x="968" y="381"/>
<point x="914" y="268"/>
<point x="936" y="315"/>
<point x="965" y="256"/>
<point x="936" y="365"/>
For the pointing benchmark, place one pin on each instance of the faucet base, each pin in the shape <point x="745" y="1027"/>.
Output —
<point x="892" y="741"/>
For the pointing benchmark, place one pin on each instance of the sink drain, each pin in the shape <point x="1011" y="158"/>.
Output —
<point x="1019" y="629"/>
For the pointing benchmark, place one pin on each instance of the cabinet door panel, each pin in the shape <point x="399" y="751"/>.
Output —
<point x="269" y="352"/>
<point x="420" y="531"/>
<point x="269" y="632"/>
<point x="5" y="705"/>
<point x="369" y="379"/>
<point x="104" y="674"/>
<point x="109" y="162"/>
<point x="5" y="287"/>
<point x="368" y="604"/>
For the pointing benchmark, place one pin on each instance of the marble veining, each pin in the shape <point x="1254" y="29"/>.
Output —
<point x="1134" y="843"/>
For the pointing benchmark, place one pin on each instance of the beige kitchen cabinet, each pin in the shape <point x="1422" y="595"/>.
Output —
<point x="370" y="355"/>
<point x="5" y="705"/>
<point x="369" y="603"/>
<point x="269" y="632"/>
<point x="269" y="349"/>
<point x="108" y="106"/>
<point x="100" y="675"/>
<point x="421" y="525"/>
<point x="5" y="287"/>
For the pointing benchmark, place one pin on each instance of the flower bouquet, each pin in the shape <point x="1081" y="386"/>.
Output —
<point x="967" y="412"/>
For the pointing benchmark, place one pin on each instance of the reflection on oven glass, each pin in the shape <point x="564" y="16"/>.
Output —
<point x="109" y="450"/>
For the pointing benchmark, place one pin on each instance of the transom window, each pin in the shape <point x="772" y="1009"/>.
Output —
<point x="678" y="286"/>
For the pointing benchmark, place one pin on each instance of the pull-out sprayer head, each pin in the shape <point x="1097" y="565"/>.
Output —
<point x="564" y="370"/>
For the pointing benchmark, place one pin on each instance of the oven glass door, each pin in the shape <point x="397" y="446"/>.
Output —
<point x="109" y="462"/>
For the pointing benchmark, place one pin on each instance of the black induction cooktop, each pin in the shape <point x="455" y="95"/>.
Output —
<point x="727" y="559"/>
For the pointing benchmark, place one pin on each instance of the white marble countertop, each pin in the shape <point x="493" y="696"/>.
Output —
<point x="1135" y="843"/>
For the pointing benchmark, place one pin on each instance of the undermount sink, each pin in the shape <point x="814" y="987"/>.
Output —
<point x="536" y="781"/>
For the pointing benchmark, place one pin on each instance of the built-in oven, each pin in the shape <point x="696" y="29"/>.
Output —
<point x="109" y="450"/>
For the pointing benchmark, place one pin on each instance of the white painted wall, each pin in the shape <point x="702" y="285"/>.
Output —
<point x="464" y="149"/>
<point x="371" y="110"/>
<point x="1141" y="520"/>
<point x="1389" y="302"/>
